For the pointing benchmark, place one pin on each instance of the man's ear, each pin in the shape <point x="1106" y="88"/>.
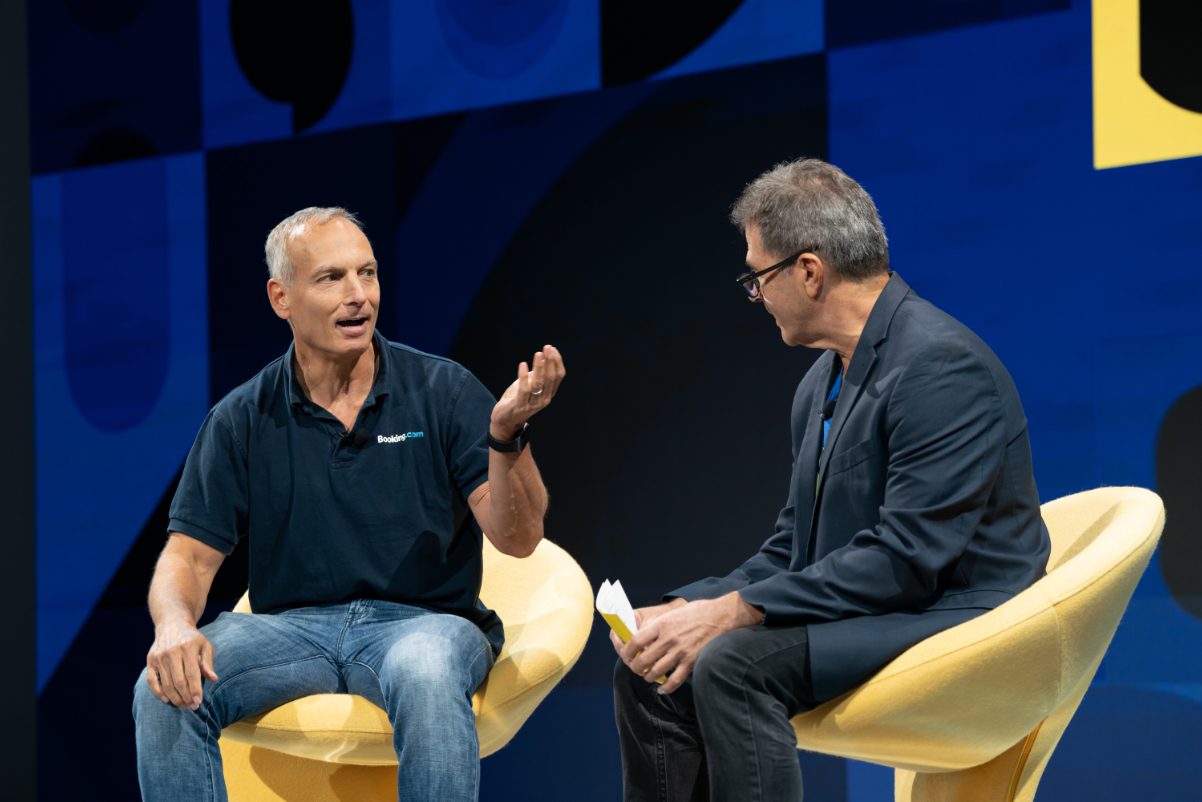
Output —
<point x="810" y="274"/>
<point x="277" y="294"/>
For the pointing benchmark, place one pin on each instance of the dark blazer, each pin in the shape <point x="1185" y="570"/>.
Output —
<point x="920" y="513"/>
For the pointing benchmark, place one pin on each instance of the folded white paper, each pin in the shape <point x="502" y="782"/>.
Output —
<point x="616" y="610"/>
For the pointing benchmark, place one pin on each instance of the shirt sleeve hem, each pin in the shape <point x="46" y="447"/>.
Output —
<point x="206" y="536"/>
<point x="473" y="485"/>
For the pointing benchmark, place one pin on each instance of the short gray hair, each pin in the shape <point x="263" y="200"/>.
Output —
<point x="279" y="265"/>
<point x="808" y="203"/>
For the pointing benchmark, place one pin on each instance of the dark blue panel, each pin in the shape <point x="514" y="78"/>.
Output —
<point x="112" y="81"/>
<point x="451" y="55"/>
<point x="1153" y="735"/>
<point x="853" y="22"/>
<point x="977" y="147"/>
<point x="115" y="293"/>
<point x="586" y="767"/>
<point x="120" y="369"/>
<point x="500" y="40"/>
<point x="868" y="782"/>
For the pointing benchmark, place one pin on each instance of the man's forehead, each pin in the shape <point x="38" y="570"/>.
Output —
<point x="335" y="226"/>
<point x="327" y="238"/>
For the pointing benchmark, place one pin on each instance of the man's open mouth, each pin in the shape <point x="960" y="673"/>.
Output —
<point x="352" y="322"/>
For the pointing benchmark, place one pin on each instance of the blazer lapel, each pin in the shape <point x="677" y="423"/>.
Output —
<point x="806" y="476"/>
<point x="853" y="384"/>
<point x="876" y="329"/>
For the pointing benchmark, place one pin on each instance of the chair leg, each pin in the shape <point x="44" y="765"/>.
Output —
<point x="255" y="774"/>
<point x="1012" y="776"/>
<point x="989" y="782"/>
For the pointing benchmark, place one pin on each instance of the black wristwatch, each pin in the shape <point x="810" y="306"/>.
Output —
<point x="511" y="446"/>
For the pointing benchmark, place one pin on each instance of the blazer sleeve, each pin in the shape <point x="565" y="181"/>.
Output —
<point x="944" y="436"/>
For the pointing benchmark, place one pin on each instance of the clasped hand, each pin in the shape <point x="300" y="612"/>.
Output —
<point x="668" y="640"/>
<point x="672" y="635"/>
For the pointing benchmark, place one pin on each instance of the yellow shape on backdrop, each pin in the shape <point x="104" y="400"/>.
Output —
<point x="1132" y="124"/>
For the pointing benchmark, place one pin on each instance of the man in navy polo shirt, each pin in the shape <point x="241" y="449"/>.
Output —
<point x="361" y="473"/>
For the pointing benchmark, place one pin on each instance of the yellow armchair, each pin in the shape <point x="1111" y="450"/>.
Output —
<point x="972" y="714"/>
<point x="338" y="747"/>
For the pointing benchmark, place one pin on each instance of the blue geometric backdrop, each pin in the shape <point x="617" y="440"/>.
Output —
<point x="559" y="171"/>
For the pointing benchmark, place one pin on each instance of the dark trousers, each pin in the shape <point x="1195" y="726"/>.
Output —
<point x="725" y="734"/>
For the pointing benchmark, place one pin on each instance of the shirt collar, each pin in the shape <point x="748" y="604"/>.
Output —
<point x="379" y="388"/>
<point x="876" y="328"/>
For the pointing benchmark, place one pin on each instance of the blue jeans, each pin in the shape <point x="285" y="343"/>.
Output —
<point x="421" y="667"/>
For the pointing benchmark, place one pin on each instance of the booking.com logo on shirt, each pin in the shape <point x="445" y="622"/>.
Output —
<point x="398" y="438"/>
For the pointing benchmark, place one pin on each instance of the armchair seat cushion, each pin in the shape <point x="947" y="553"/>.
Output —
<point x="546" y="604"/>
<point x="975" y="711"/>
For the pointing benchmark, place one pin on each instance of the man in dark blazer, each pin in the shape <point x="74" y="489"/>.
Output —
<point x="912" y="508"/>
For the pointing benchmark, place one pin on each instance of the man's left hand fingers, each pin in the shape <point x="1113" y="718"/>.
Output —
<point x="547" y="374"/>
<point x="637" y="643"/>
<point x="555" y="370"/>
<point x="679" y="674"/>
<point x="536" y="380"/>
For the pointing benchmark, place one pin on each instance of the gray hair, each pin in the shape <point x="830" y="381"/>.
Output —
<point x="808" y="203"/>
<point x="279" y="265"/>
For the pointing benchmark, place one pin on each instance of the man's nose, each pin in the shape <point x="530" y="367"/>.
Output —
<point x="355" y="291"/>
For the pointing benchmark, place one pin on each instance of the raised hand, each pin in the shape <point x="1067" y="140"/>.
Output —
<point x="531" y="392"/>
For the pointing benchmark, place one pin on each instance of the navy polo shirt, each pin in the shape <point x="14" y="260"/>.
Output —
<point x="331" y="516"/>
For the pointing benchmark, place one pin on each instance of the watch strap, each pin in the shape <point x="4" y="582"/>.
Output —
<point x="511" y="446"/>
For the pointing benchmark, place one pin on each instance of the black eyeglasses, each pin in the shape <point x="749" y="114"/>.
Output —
<point x="751" y="281"/>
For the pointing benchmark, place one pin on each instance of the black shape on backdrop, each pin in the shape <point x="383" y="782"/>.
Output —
<point x="639" y="39"/>
<point x="1170" y="50"/>
<point x="108" y="17"/>
<point x="297" y="53"/>
<point x="667" y="452"/>
<point x="114" y="145"/>
<point x="113" y="81"/>
<point x="1178" y="444"/>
